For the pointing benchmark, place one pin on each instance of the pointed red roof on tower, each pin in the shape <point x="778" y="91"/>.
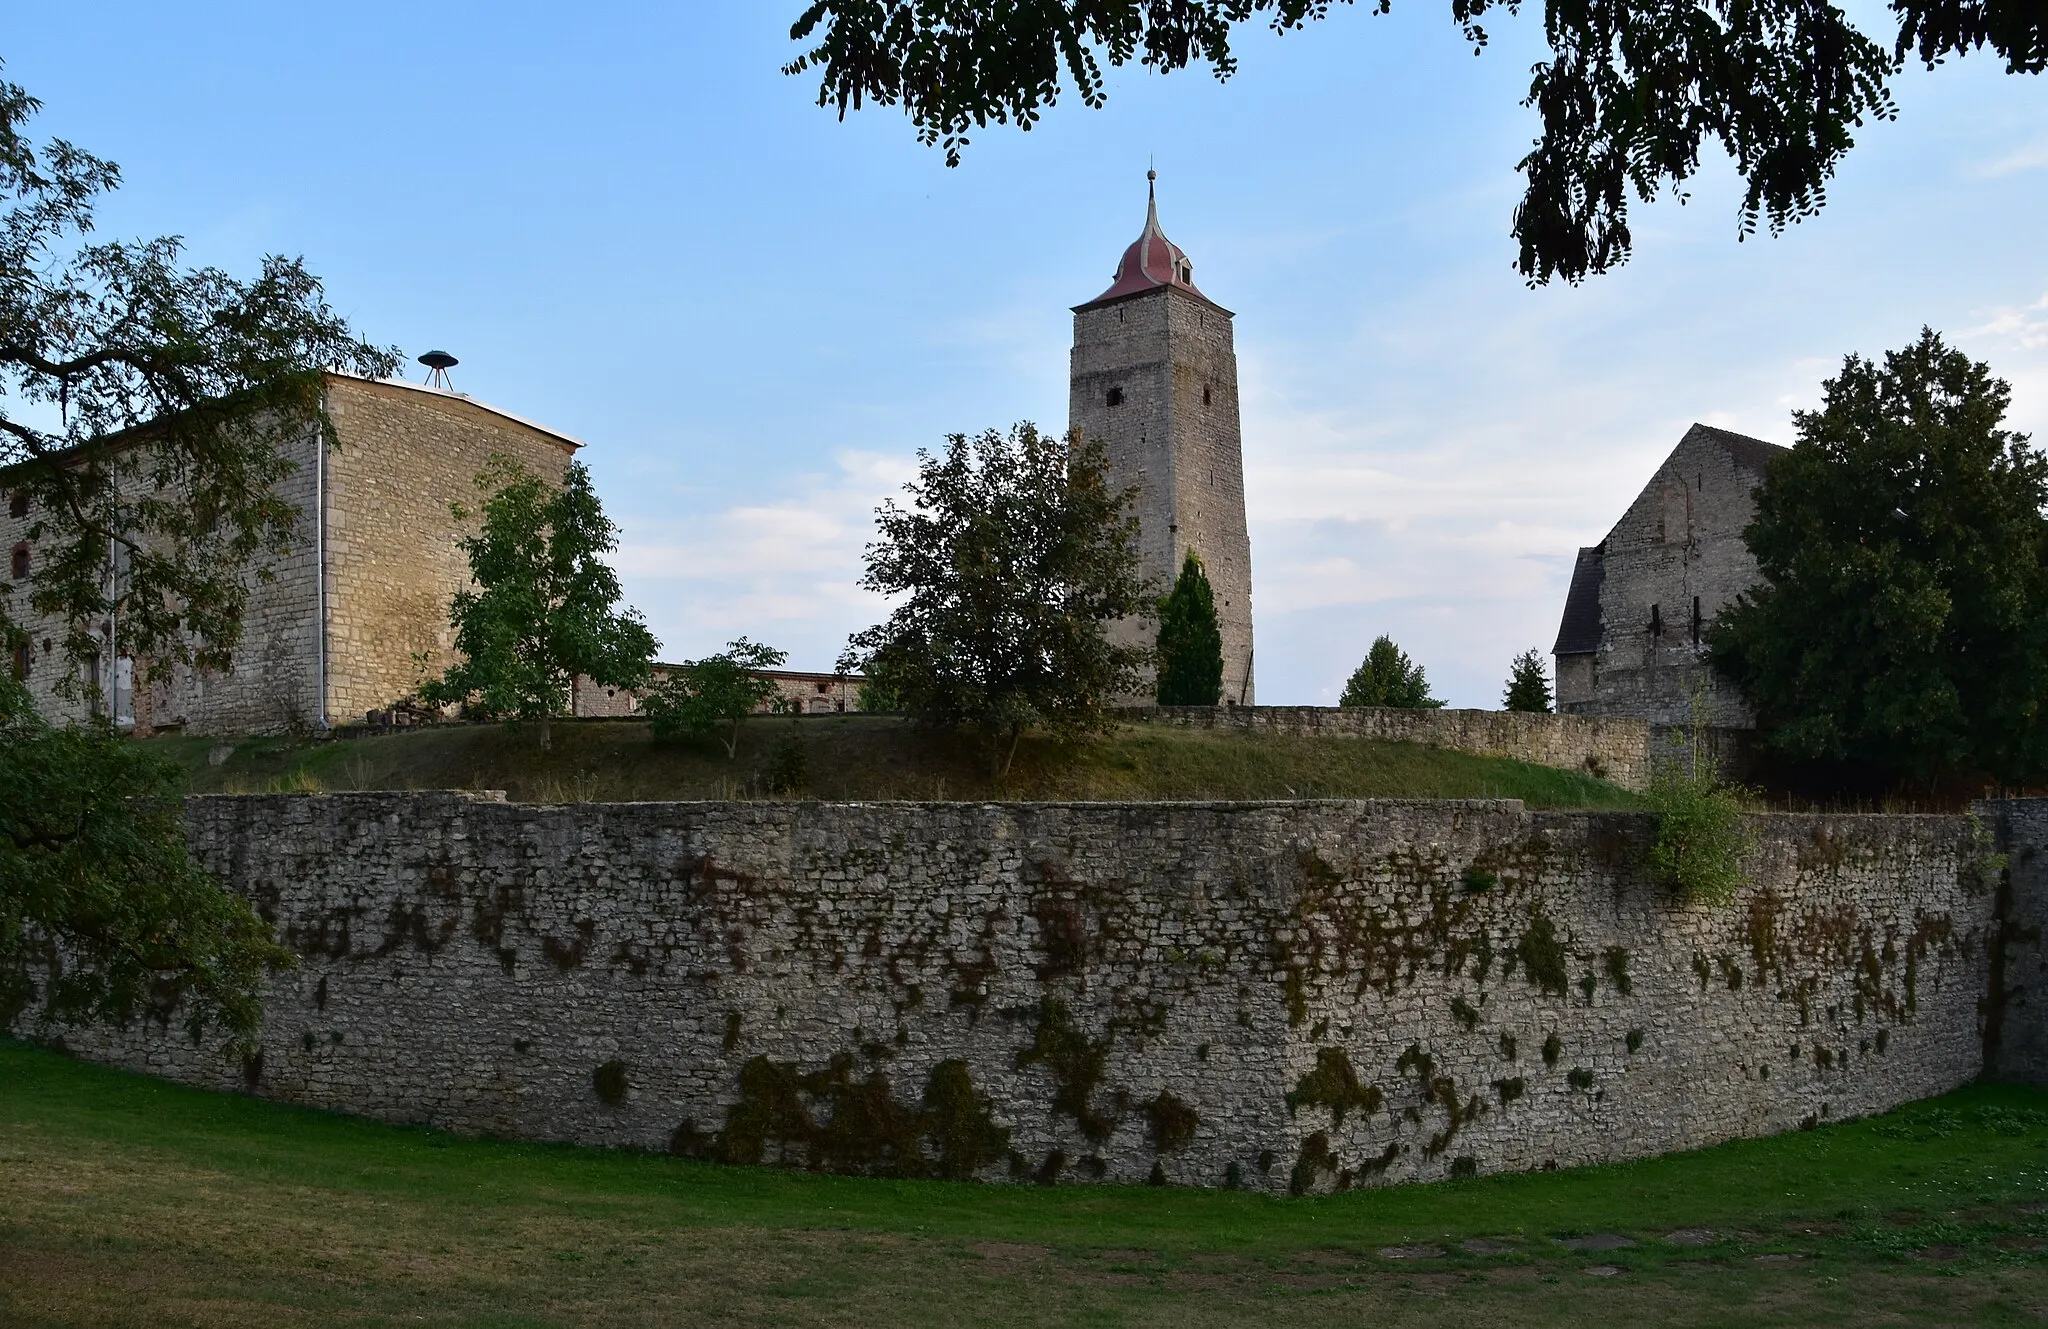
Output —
<point x="1152" y="260"/>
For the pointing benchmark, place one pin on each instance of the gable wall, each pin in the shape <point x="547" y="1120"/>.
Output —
<point x="1681" y="539"/>
<point x="393" y="561"/>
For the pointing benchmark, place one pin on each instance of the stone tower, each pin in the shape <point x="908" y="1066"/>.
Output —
<point x="1154" y="380"/>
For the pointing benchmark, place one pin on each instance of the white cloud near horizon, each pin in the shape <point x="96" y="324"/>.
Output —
<point x="784" y="572"/>
<point x="2022" y="326"/>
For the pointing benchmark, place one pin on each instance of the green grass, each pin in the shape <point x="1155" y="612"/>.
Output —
<point x="876" y="757"/>
<point x="124" y="1201"/>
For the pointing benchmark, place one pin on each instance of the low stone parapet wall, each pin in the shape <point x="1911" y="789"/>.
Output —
<point x="1608" y="747"/>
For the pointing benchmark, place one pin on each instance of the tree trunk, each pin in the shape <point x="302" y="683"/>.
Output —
<point x="544" y="736"/>
<point x="1016" y="733"/>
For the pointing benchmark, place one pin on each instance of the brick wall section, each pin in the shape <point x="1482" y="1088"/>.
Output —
<point x="1613" y="748"/>
<point x="1165" y="351"/>
<point x="1483" y="987"/>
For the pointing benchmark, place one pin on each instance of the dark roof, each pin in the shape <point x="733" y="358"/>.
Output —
<point x="1579" y="632"/>
<point x="1751" y="454"/>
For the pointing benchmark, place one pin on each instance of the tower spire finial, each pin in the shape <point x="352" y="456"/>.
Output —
<point x="1151" y="199"/>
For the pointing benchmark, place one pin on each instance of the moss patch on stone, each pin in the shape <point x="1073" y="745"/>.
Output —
<point x="1334" y="1085"/>
<point x="1076" y="1064"/>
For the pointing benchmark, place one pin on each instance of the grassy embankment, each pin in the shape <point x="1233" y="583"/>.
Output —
<point x="875" y="757"/>
<point x="127" y="1201"/>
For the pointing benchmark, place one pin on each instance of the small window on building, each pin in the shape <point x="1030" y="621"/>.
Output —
<point x="1696" y="620"/>
<point x="21" y="661"/>
<point x="824" y="688"/>
<point x="1656" y="621"/>
<point x="1205" y="394"/>
<point x="1116" y="397"/>
<point x="18" y="565"/>
<point x="17" y="504"/>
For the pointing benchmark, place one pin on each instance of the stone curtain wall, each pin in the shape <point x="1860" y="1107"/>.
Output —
<point x="1611" y="747"/>
<point x="1279" y="995"/>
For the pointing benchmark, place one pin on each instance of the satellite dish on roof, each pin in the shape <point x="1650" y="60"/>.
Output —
<point x="438" y="364"/>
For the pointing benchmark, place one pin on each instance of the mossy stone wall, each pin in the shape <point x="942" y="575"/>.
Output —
<point x="1302" y="995"/>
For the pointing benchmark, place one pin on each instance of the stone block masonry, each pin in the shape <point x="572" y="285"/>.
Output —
<point x="1610" y="747"/>
<point x="1301" y="996"/>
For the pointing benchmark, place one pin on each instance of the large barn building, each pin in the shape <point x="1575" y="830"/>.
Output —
<point x="1633" y="638"/>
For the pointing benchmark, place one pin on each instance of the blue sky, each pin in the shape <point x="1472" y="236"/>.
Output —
<point x="630" y="225"/>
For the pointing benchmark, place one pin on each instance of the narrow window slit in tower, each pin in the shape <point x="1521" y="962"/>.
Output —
<point x="1116" y="397"/>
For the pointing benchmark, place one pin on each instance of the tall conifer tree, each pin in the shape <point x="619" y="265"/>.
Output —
<point x="1190" y="643"/>
<point x="1528" y="684"/>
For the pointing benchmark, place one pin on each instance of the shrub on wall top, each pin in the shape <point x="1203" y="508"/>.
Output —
<point x="1700" y="838"/>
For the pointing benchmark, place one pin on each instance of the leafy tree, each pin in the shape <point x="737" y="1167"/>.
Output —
<point x="99" y="898"/>
<point x="544" y="610"/>
<point x="1190" y="644"/>
<point x="878" y="691"/>
<point x="1387" y="677"/>
<point x="722" y="689"/>
<point x="145" y="408"/>
<point x="1013" y="559"/>
<point x="1902" y="622"/>
<point x="1631" y="92"/>
<point x="1528" y="684"/>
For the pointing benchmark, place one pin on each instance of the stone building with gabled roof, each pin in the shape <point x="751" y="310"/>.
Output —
<point x="356" y="613"/>
<point x="1632" y="638"/>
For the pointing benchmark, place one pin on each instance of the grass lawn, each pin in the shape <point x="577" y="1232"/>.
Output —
<point x="875" y="757"/>
<point x="125" y="1201"/>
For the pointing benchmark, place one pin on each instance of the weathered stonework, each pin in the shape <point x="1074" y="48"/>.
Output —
<point x="1276" y="995"/>
<point x="1611" y="748"/>
<point x="357" y="610"/>
<point x="1153" y="379"/>
<point x="1632" y="639"/>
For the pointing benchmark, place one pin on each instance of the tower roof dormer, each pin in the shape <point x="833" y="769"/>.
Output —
<point x="1152" y="261"/>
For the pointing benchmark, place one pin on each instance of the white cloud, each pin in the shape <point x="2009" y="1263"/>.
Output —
<point x="784" y="572"/>
<point x="2033" y="157"/>
<point x="2024" y="326"/>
